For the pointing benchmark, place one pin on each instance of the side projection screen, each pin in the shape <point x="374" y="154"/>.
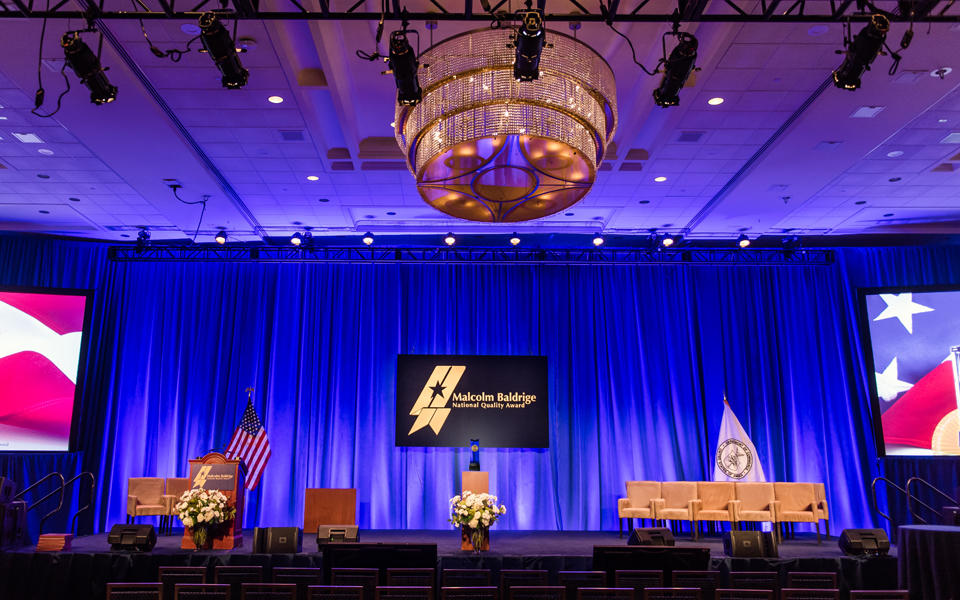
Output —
<point x="913" y="355"/>
<point x="445" y="400"/>
<point x="41" y="341"/>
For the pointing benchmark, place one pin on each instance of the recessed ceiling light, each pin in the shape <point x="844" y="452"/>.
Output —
<point x="894" y="179"/>
<point x="43" y="176"/>
<point x="275" y="99"/>
<point x="887" y="214"/>
<point x="941" y="120"/>
<point x="860" y="202"/>
<point x="644" y="202"/>
<point x="323" y="199"/>
<point x="660" y="179"/>
<point x="312" y="178"/>
<point x="190" y="28"/>
<point x="45" y="151"/>
<point x="941" y="72"/>
<point x="28" y="138"/>
<point x="2" y="118"/>
<point x="895" y="153"/>
<point x="44" y="212"/>
<point x="715" y="101"/>
<point x="71" y="199"/>
<point x="569" y="214"/>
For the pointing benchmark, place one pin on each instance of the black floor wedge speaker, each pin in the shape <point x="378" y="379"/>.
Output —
<point x="132" y="538"/>
<point x="750" y="544"/>
<point x="276" y="540"/>
<point x="651" y="536"/>
<point x="858" y="542"/>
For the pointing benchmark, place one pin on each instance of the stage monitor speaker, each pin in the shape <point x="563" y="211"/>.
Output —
<point x="951" y="515"/>
<point x="132" y="538"/>
<point x="328" y="534"/>
<point x="650" y="558"/>
<point x="651" y="536"/>
<point x="276" y="540"/>
<point x="750" y="544"/>
<point x="857" y="542"/>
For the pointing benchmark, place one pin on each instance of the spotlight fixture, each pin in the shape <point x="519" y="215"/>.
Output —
<point x="676" y="70"/>
<point x="667" y="241"/>
<point x="403" y="63"/>
<point x="861" y="51"/>
<point x="221" y="237"/>
<point x="530" y="41"/>
<point x="514" y="239"/>
<point x="791" y="242"/>
<point x="367" y="239"/>
<point x="296" y="239"/>
<point x="743" y="240"/>
<point x="598" y="240"/>
<point x="143" y="239"/>
<point x="222" y="49"/>
<point x="86" y="65"/>
<point x="449" y="239"/>
<point x="307" y="239"/>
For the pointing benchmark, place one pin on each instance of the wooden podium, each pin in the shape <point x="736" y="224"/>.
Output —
<point x="217" y="472"/>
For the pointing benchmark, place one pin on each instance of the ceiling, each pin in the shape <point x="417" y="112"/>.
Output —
<point x="782" y="153"/>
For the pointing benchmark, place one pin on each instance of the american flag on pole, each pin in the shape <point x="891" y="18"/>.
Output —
<point x="250" y="444"/>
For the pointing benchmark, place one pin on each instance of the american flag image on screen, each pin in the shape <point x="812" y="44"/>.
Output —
<point x="914" y="338"/>
<point x="250" y="445"/>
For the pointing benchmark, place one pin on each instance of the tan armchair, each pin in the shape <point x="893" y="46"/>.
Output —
<point x="175" y="487"/>
<point x="145" y="497"/>
<point x="717" y="501"/>
<point x="820" y="490"/>
<point x="639" y="503"/>
<point x="678" y="500"/>
<point x="797" y="504"/>
<point x="757" y="503"/>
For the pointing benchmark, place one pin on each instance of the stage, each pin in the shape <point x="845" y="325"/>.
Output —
<point x="90" y="563"/>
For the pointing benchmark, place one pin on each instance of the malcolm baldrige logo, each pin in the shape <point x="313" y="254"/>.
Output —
<point x="734" y="458"/>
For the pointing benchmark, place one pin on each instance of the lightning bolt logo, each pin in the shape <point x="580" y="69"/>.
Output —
<point x="201" y="479"/>
<point x="431" y="405"/>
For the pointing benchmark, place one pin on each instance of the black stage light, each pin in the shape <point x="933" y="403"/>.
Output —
<point x="676" y="70"/>
<point x="368" y="239"/>
<point x="530" y="41"/>
<point x="791" y="242"/>
<point x="296" y="239"/>
<point x="667" y="241"/>
<point x="221" y="237"/>
<point x="598" y="240"/>
<point x="743" y="240"/>
<point x="222" y="49"/>
<point x="449" y="239"/>
<point x="861" y="51"/>
<point x="403" y="63"/>
<point x="515" y="239"/>
<point x="87" y="66"/>
<point x="143" y="239"/>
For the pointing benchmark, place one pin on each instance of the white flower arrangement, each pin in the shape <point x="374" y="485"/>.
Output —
<point x="475" y="511"/>
<point x="204" y="508"/>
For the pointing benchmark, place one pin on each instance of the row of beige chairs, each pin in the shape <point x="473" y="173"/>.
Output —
<point x="155" y="497"/>
<point x="732" y="502"/>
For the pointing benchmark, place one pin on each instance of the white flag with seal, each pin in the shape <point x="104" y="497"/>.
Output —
<point x="736" y="458"/>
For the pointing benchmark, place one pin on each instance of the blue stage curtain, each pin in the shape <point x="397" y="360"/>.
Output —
<point x="639" y="358"/>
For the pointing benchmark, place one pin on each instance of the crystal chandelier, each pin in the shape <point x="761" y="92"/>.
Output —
<point x="486" y="147"/>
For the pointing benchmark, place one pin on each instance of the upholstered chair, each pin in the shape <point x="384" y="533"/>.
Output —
<point x="677" y="502"/>
<point x="757" y="503"/>
<point x="639" y="503"/>
<point x="821" y="492"/>
<point x="716" y="501"/>
<point x="145" y="497"/>
<point x="797" y="504"/>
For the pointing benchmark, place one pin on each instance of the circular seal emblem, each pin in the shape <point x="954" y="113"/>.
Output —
<point x="734" y="458"/>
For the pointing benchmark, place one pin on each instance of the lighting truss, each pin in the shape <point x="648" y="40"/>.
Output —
<point x="690" y="11"/>
<point x="516" y="256"/>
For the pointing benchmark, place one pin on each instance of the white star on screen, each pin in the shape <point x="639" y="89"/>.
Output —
<point x="889" y="385"/>
<point x="903" y="308"/>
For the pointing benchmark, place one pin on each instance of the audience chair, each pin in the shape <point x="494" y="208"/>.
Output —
<point x="412" y="577"/>
<point x="299" y="576"/>
<point x="879" y="595"/>
<point x="537" y="592"/>
<point x="145" y="498"/>
<point x="201" y="591"/>
<point x="677" y="502"/>
<point x="465" y="578"/>
<point x="809" y="594"/>
<point x="671" y="594"/>
<point x="605" y="593"/>
<point x="335" y="592"/>
<point x="574" y="580"/>
<point x="705" y="581"/>
<point x="267" y="591"/>
<point x="756" y="503"/>
<point x="639" y="503"/>
<point x="404" y="592"/>
<point x="171" y="576"/>
<point x="797" y="503"/>
<point x="512" y="577"/>
<point x="821" y="492"/>
<point x="134" y="591"/>
<point x="368" y="579"/>
<point x="174" y="487"/>
<point x="638" y="580"/>
<point x="486" y="592"/>
<point x="811" y="580"/>
<point x="716" y="501"/>
<point x="731" y="594"/>
<point x="754" y="580"/>
<point x="234" y="575"/>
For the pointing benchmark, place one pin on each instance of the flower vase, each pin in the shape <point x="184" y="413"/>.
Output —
<point x="476" y="539"/>
<point x="201" y="537"/>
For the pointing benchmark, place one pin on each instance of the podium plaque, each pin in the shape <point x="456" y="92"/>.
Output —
<point x="217" y="472"/>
